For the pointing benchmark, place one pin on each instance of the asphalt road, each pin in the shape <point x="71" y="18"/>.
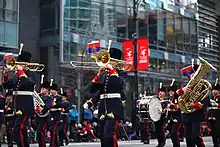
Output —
<point x="153" y="143"/>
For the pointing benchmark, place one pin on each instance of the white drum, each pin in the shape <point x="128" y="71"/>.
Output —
<point x="150" y="108"/>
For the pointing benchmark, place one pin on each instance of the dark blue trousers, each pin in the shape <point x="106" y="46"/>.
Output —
<point x="20" y="131"/>
<point x="107" y="129"/>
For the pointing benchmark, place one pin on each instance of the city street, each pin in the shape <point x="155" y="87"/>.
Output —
<point x="153" y="143"/>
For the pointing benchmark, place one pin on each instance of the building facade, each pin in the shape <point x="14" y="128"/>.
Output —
<point x="174" y="29"/>
<point x="9" y="26"/>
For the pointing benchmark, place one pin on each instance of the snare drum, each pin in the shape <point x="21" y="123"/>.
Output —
<point x="150" y="108"/>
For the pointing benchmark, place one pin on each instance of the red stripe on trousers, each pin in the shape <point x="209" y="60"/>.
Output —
<point x="22" y="130"/>
<point x="115" y="140"/>
<point x="163" y="129"/>
<point x="43" y="134"/>
<point x="64" y="130"/>
<point x="178" y="133"/>
<point x="54" y="133"/>
<point x="200" y="137"/>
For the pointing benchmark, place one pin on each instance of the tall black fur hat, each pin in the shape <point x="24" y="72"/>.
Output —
<point x="24" y="57"/>
<point x="216" y="85"/>
<point x="161" y="88"/>
<point x="54" y="87"/>
<point x="195" y="67"/>
<point x="116" y="53"/>
<point x="45" y="84"/>
<point x="64" y="94"/>
<point x="172" y="86"/>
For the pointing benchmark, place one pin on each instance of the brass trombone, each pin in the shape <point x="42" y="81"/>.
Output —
<point x="102" y="58"/>
<point x="11" y="65"/>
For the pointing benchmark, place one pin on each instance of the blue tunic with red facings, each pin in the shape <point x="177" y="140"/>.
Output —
<point x="64" y="115"/>
<point x="56" y="115"/>
<point x="115" y="84"/>
<point x="24" y="103"/>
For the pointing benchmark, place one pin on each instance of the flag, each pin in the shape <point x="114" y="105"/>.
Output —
<point x="187" y="71"/>
<point x="93" y="47"/>
<point x="6" y="57"/>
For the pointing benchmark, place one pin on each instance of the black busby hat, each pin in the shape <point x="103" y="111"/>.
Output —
<point x="24" y="57"/>
<point x="216" y="86"/>
<point x="54" y="87"/>
<point x="64" y="94"/>
<point x="172" y="86"/>
<point x="161" y="88"/>
<point x="195" y="67"/>
<point x="45" y="84"/>
<point x="116" y="53"/>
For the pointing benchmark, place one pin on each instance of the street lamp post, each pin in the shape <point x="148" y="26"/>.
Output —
<point x="135" y="3"/>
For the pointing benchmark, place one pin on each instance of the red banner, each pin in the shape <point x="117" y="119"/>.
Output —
<point x="128" y="49"/>
<point x="143" y="54"/>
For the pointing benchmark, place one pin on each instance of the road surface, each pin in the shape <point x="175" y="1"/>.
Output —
<point x="153" y="143"/>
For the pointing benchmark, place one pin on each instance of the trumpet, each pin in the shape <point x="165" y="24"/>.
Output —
<point x="11" y="65"/>
<point x="102" y="58"/>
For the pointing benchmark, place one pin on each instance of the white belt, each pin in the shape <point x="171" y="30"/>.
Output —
<point x="214" y="108"/>
<point x="55" y="109"/>
<point x="63" y="113"/>
<point x="110" y="95"/>
<point x="22" y="93"/>
<point x="9" y="115"/>
<point x="1" y="111"/>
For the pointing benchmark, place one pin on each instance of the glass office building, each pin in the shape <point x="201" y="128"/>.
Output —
<point x="9" y="24"/>
<point x="171" y="27"/>
<point x="208" y="34"/>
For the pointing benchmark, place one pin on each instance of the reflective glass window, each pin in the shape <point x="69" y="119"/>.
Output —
<point x="152" y="17"/>
<point x="170" y="28"/>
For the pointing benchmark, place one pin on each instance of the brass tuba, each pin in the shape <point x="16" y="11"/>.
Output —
<point x="200" y="87"/>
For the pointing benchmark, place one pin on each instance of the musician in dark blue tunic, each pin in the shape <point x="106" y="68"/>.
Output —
<point x="109" y="82"/>
<point x="214" y="115"/>
<point x="55" y="115"/>
<point x="174" y="115"/>
<point x="193" y="120"/>
<point x="2" y="115"/>
<point x="43" y="113"/>
<point x="160" y="124"/>
<point x="9" y="117"/>
<point x="63" y="124"/>
<point x="23" y="85"/>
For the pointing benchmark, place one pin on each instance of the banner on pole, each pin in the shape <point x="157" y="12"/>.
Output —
<point x="128" y="49"/>
<point x="143" y="54"/>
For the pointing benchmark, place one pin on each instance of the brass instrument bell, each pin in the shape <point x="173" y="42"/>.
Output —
<point x="11" y="65"/>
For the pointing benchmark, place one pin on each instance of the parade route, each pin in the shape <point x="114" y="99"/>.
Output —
<point x="136" y="143"/>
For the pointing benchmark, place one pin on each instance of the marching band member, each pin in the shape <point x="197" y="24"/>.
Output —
<point x="144" y="126"/>
<point x="160" y="124"/>
<point x="9" y="117"/>
<point x="109" y="82"/>
<point x="174" y="115"/>
<point x="64" y="119"/>
<point x="214" y="114"/>
<point x="192" y="120"/>
<point x="55" y="114"/>
<point x="23" y="85"/>
<point x="2" y="115"/>
<point x="42" y="117"/>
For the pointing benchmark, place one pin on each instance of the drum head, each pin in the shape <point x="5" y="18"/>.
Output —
<point x="155" y="109"/>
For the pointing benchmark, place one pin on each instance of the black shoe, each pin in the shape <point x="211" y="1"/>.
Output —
<point x="67" y="141"/>
<point x="181" y="139"/>
<point x="147" y="142"/>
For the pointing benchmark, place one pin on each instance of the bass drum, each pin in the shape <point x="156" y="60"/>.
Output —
<point x="155" y="109"/>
